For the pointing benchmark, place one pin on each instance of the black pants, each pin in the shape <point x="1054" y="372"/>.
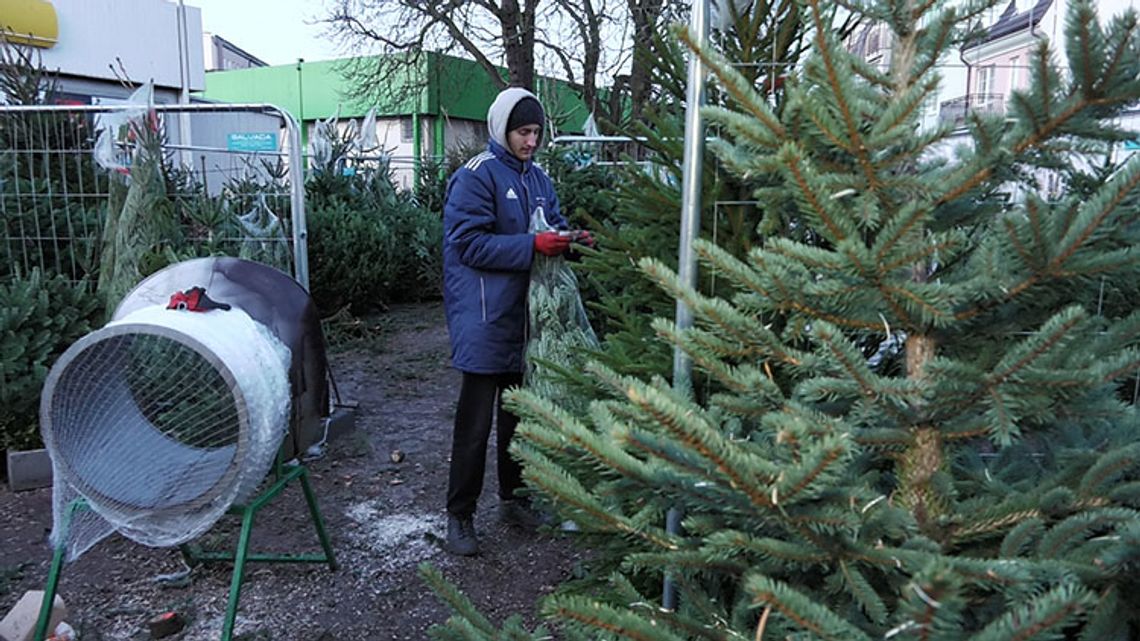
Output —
<point x="479" y="398"/>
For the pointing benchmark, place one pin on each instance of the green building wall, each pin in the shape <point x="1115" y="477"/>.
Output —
<point x="450" y="88"/>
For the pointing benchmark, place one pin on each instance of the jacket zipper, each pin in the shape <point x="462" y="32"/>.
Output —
<point x="483" y="297"/>
<point x="526" y="207"/>
<point x="528" y="212"/>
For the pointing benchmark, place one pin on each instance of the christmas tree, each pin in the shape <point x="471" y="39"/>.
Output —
<point x="918" y="428"/>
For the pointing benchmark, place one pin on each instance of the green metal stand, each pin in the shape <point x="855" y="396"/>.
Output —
<point x="239" y="557"/>
<point x="56" y="568"/>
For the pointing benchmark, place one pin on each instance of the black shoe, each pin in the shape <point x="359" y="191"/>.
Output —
<point x="520" y="512"/>
<point x="461" y="536"/>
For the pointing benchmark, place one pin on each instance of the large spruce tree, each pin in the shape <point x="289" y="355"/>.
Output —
<point x="918" y="429"/>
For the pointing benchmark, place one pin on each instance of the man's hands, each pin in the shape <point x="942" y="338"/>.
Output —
<point x="551" y="243"/>
<point x="556" y="243"/>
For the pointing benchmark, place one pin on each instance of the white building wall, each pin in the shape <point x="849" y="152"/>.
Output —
<point x="141" y="38"/>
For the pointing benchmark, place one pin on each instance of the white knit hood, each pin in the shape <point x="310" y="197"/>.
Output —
<point x="500" y="112"/>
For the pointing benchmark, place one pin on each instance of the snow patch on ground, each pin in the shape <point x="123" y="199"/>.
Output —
<point x="397" y="541"/>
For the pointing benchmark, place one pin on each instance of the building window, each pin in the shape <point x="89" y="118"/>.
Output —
<point x="985" y="81"/>
<point x="1014" y="74"/>
<point x="407" y="131"/>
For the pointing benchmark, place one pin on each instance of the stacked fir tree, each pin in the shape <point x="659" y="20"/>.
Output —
<point x="919" y="430"/>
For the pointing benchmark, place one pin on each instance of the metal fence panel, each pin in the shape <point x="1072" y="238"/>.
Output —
<point x="231" y="184"/>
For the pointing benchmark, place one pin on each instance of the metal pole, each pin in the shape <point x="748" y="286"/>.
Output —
<point x="691" y="179"/>
<point x="297" y="201"/>
<point x="301" y="105"/>
<point x="184" y="90"/>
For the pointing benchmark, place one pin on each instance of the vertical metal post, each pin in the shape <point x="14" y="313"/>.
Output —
<point x="691" y="180"/>
<point x="184" y="134"/>
<point x="301" y="103"/>
<point x="298" y="138"/>
<point x="297" y="201"/>
<point x="417" y="147"/>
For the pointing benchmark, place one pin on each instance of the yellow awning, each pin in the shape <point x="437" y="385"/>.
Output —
<point x="29" y="22"/>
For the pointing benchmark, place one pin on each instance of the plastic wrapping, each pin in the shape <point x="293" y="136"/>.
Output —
<point x="265" y="239"/>
<point x="114" y="130"/>
<point x="160" y="421"/>
<point x="366" y="137"/>
<point x="559" y="333"/>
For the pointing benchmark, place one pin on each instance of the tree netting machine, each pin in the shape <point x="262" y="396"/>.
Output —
<point x="211" y="374"/>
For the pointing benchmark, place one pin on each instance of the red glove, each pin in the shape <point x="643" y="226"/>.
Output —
<point x="584" y="238"/>
<point x="551" y="243"/>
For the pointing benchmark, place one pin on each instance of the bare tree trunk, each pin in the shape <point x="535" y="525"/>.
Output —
<point x="645" y="15"/>
<point x="518" y="41"/>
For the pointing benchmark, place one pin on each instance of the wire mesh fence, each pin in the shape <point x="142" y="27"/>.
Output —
<point x="85" y="188"/>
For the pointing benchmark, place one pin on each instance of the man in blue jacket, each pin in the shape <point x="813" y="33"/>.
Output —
<point x="487" y="254"/>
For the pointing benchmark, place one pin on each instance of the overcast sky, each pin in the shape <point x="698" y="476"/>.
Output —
<point x="276" y="31"/>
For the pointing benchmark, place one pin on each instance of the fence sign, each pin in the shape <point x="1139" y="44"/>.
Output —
<point x="251" y="141"/>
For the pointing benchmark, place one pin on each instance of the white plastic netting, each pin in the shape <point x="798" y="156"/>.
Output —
<point x="161" y="421"/>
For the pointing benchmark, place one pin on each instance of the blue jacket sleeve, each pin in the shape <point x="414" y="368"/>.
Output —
<point x="470" y="226"/>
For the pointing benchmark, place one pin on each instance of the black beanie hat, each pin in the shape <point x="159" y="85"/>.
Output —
<point x="527" y="111"/>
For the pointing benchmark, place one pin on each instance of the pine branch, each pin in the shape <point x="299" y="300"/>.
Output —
<point x="804" y="612"/>
<point x="820" y="464"/>
<point x="724" y="316"/>
<point x="782" y="554"/>
<point x="1086" y="46"/>
<point x="898" y="118"/>
<point x="746" y="128"/>
<point x="1092" y="216"/>
<point x="1073" y="530"/>
<point x="603" y="618"/>
<point x="708" y="353"/>
<point x="984" y="572"/>
<point x="1120" y="68"/>
<point x="935" y="37"/>
<point x="552" y="424"/>
<point x="991" y="522"/>
<point x="694" y="431"/>
<point x="1021" y="536"/>
<point x="808" y="192"/>
<point x="942" y="247"/>
<point x="811" y="256"/>
<point x="1047" y="614"/>
<point x="864" y="594"/>
<point x="454" y="598"/>
<point x="1105" y="623"/>
<point x="737" y="86"/>
<point x="542" y="472"/>
<point x="679" y="564"/>
<point x="871" y="387"/>
<point x="836" y="81"/>
<point x="786" y="296"/>
<point x="1056" y="331"/>
<point x="910" y="220"/>
<point x="932" y="604"/>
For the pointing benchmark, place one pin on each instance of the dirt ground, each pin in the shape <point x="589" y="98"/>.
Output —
<point x="384" y="519"/>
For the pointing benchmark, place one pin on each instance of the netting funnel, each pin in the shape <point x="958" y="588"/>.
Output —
<point x="163" y="418"/>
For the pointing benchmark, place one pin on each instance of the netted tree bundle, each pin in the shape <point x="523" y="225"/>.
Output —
<point x="161" y="421"/>
<point x="560" y="337"/>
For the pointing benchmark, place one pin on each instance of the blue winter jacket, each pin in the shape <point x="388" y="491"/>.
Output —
<point x="487" y="253"/>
